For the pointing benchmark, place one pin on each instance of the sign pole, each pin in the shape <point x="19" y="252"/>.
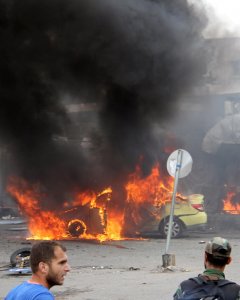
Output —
<point x="179" y="165"/>
<point x="178" y="168"/>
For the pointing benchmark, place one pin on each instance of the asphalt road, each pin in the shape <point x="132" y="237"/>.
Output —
<point x="128" y="269"/>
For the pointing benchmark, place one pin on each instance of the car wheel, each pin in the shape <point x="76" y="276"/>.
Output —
<point x="76" y="228"/>
<point x="20" y="255"/>
<point x="177" y="228"/>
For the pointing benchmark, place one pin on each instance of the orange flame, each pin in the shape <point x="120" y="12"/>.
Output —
<point x="47" y="225"/>
<point x="42" y="224"/>
<point x="153" y="190"/>
<point x="146" y="195"/>
<point x="228" y="206"/>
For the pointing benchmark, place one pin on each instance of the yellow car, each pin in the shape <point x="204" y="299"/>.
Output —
<point x="188" y="214"/>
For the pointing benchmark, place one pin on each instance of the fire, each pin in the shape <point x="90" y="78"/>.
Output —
<point x="49" y="225"/>
<point x="146" y="195"/>
<point x="42" y="224"/>
<point x="228" y="204"/>
<point x="90" y="215"/>
<point x="151" y="189"/>
<point x="114" y="226"/>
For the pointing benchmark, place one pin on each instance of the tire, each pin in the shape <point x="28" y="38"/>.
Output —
<point x="18" y="254"/>
<point x="76" y="228"/>
<point x="177" y="228"/>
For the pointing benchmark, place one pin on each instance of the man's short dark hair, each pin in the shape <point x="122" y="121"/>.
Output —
<point x="217" y="261"/>
<point x="43" y="252"/>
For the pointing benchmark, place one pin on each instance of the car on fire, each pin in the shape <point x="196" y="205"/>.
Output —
<point x="83" y="219"/>
<point x="189" y="214"/>
<point x="87" y="218"/>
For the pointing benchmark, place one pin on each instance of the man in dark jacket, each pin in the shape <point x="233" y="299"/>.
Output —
<point x="212" y="282"/>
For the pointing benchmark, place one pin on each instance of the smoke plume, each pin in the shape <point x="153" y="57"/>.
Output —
<point x="134" y="58"/>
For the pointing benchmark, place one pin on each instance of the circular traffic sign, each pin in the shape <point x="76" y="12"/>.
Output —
<point x="179" y="159"/>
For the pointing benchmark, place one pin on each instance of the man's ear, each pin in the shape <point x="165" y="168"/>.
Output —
<point x="205" y="257"/>
<point x="43" y="267"/>
<point x="229" y="260"/>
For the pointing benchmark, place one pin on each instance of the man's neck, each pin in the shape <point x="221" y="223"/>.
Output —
<point x="218" y="268"/>
<point x="36" y="279"/>
<point x="213" y="274"/>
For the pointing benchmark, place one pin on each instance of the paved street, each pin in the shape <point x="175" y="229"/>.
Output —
<point x="129" y="269"/>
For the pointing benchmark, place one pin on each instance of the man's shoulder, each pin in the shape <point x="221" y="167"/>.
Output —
<point x="191" y="282"/>
<point x="200" y="279"/>
<point x="38" y="292"/>
<point x="230" y="289"/>
<point x="30" y="291"/>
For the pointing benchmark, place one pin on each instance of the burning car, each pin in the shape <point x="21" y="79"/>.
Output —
<point x="82" y="220"/>
<point x="145" y="207"/>
<point x="88" y="218"/>
<point x="83" y="217"/>
<point x="188" y="214"/>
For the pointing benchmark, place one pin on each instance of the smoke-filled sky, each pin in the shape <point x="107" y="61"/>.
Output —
<point x="135" y="58"/>
<point x="224" y="17"/>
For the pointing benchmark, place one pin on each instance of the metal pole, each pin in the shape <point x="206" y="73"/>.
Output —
<point x="178" y="168"/>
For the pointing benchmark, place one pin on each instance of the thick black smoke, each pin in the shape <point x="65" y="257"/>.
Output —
<point x="135" y="58"/>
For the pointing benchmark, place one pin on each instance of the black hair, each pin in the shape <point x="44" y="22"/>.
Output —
<point x="217" y="261"/>
<point x="43" y="252"/>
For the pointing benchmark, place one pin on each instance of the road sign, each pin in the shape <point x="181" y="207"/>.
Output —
<point x="184" y="168"/>
<point x="179" y="165"/>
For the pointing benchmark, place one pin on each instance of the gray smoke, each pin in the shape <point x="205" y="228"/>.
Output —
<point x="134" y="58"/>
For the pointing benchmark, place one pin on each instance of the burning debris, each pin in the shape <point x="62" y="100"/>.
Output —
<point x="92" y="216"/>
<point x="134" y="59"/>
<point x="85" y="216"/>
<point x="231" y="203"/>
